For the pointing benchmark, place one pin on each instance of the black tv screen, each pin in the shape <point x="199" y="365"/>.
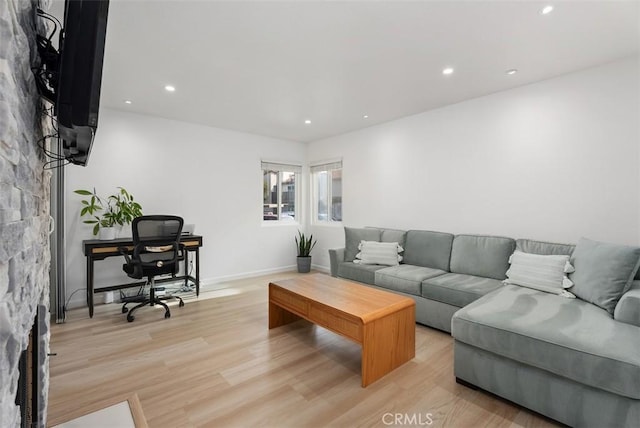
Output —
<point x="80" y="76"/>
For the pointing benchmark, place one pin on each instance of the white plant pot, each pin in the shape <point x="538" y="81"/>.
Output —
<point x="107" y="233"/>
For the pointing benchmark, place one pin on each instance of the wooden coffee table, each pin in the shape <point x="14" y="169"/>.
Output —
<point x="382" y="323"/>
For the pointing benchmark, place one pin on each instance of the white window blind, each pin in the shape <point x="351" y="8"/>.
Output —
<point x="326" y="166"/>
<point x="273" y="166"/>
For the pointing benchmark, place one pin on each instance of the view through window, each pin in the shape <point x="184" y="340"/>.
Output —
<point x="280" y="193"/>
<point x="327" y="192"/>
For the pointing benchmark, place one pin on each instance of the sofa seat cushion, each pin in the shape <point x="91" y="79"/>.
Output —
<point x="568" y="337"/>
<point x="458" y="289"/>
<point x="405" y="278"/>
<point x="356" y="272"/>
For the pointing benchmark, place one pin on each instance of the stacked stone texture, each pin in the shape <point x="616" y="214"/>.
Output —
<point x="24" y="204"/>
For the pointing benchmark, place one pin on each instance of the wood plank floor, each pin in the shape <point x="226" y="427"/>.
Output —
<point x="214" y="363"/>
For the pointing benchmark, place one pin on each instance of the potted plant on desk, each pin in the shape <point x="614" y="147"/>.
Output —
<point x="105" y="213"/>
<point x="304" y="251"/>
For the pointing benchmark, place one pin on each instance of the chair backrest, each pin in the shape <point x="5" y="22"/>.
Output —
<point x="156" y="241"/>
<point x="156" y="228"/>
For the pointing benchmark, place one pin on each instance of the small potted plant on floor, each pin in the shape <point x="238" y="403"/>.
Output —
<point x="105" y="213"/>
<point x="305" y="245"/>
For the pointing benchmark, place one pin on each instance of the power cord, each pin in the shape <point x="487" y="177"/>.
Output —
<point x="64" y="308"/>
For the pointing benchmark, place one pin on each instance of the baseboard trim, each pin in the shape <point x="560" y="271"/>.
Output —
<point x="206" y="284"/>
<point x="323" y="269"/>
<point x="210" y="283"/>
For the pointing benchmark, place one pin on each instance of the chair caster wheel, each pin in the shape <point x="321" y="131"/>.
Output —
<point x="167" y="314"/>
<point x="181" y="304"/>
<point x="125" y="310"/>
<point x="130" y="318"/>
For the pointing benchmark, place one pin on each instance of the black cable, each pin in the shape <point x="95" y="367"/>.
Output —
<point x="64" y="308"/>
<point x="56" y="22"/>
<point x="47" y="166"/>
<point x="48" y="153"/>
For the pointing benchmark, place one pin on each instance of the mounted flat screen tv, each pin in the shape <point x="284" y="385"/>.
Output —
<point x="80" y="76"/>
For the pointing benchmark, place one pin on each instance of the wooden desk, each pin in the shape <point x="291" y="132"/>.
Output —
<point x="96" y="249"/>
<point x="383" y="323"/>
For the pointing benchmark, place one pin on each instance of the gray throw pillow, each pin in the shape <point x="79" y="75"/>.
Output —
<point x="352" y="238"/>
<point x="603" y="272"/>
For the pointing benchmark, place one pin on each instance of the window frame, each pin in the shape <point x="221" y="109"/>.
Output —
<point x="279" y="169"/>
<point x="314" y="170"/>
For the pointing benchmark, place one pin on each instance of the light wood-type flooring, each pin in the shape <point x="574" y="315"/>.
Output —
<point x="215" y="363"/>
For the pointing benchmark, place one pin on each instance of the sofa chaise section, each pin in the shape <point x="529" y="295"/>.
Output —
<point x="509" y="340"/>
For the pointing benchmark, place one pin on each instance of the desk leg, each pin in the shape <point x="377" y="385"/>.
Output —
<point x="90" y="285"/>
<point x="197" y="271"/>
<point x="186" y="267"/>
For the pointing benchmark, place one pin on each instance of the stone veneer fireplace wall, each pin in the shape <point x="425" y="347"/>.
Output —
<point x="24" y="208"/>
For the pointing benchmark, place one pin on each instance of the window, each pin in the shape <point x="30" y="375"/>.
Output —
<point x="326" y="180"/>
<point x="280" y="193"/>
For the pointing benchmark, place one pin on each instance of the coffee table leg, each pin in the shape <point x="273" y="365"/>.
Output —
<point x="388" y="343"/>
<point x="279" y="316"/>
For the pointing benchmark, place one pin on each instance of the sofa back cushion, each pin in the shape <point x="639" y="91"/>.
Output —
<point x="352" y="238"/>
<point x="486" y="256"/>
<point x="544" y="248"/>
<point x="393" y="235"/>
<point x="428" y="249"/>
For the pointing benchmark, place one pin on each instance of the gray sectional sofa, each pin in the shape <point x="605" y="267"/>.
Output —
<point x="567" y="359"/>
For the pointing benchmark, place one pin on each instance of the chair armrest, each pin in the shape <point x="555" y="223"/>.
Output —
<point x="628" y="307"/>
<point x="336" y="256"/>
<point x="125" y="252"/>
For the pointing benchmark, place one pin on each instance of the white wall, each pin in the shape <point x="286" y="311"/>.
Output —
<point x="555" y="161"/>
<point x="211" y="177"/>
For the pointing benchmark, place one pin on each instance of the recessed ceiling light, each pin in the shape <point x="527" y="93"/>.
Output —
<point x="512" y="71"/>
<point x="127" y="101"/>
<point x="546" y="10"/>
<point x="447" y="71"/>
<point x="307" y="122"/>
<point x="169" y="88"/>
<point x="366" y="116"/>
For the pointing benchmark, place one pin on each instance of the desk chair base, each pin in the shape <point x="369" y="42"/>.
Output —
<point x="152" y="300"/>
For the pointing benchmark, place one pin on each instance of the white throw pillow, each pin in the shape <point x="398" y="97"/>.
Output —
<point x="379" y="253"/>
<point x="544" y="273"/>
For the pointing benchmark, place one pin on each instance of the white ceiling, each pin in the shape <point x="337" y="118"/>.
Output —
<point x="264" y="67"/>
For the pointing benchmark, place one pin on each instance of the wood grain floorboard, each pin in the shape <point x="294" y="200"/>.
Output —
<point x="215" y="363"/>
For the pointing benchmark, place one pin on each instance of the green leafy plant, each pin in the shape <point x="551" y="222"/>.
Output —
<point x="304" y="244"/>
<point x="119" y="208"/>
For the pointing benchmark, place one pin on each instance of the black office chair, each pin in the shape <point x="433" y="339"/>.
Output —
<point x="156" y="251"/>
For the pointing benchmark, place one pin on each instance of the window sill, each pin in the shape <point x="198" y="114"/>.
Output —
<point x="327" y="224"/>
<point x="279" y="223"/>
